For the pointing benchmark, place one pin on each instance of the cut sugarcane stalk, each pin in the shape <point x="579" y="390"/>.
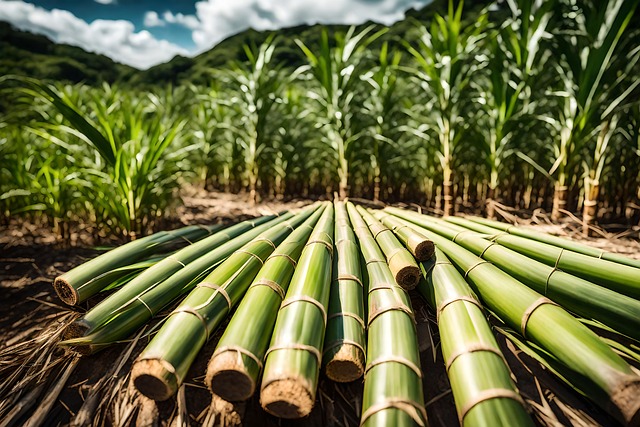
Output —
<point x="86" y="280"/>
<point x="553" y="240"/>
<point x="617" y="277"/>
<point x="123" y="312"/>
<point x="401" y="262"/>
<point x="615" y="386"/>
<point x="483" y="390"/>
<point x="393" y="378"/>
<point x="293" y="359"/>
<point x="344" y="348"/>
<point x="236" y="364"/>
<point x="162" y="366"/>
<point x="580" y="296"/>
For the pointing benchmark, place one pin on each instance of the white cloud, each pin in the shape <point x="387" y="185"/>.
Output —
<point x="106" y="1"/>
<point x="188" y="21"/>
<point x="151" y="19"/>
<point x="220" y="19"/>
<point x="114" y="38"/>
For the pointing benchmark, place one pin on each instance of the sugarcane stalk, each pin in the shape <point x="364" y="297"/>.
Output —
<point x="292" y="365"/>
<point x="86" y="280"/>
<point x="344" y="352"/>
<point x="615" y="386"/>
<point x="552" y="240"/>
<point x="162" y="366"/>
<point x="236" y="363"/>
<point x="580" y="296"/>
<point x="417" y="243"/>
<point x="617" y="277"/>
<point x="123" y="312"/>
<point x="483" y="390"/>
<point x="393" y="378"/>
<point x="401" y="262"/>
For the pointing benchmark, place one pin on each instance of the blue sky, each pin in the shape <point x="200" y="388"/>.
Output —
<point x="143" y="33"/>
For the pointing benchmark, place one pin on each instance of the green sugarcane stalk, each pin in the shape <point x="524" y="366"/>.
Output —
<point x="236" y="363"/>
<point x="552" y="240"/>
<point x="123" y="312"/>
<point x="417" y="243"/>
<point x="580" y="296"/>
<point x="162" y="366"/>
<point x="402" y="264"/>
<point x="86" y="280"/>
<point x="344" y="352"/>
<point x="617" y="277"/>
<point x="293" y="359"/>
<point x="484" y="392"/>
<point x="614" y="385"/>
<point x="393" y="378"/>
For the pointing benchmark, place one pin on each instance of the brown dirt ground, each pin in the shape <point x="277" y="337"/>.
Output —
<point x="31" y="257"/>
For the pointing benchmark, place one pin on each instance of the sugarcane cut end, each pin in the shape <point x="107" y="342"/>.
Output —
<point x="423" y="250"/>
<point x="346" y="365"/>
<point x="154" y="378"/>
<point x="287" y="398"/>
<point x="227" y="377"/>
<point x="65" y="291"/>
<point x="626" y="400"/>
<point x="407" y="277"/>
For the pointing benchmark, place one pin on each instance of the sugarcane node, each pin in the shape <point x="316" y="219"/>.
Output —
<point x="415" y="410"/>
<point x="65" y="291"/>
<point x="348" y="278"/>
<point x="353" y="316"/>
<point x="446" y="303"/>
<point x="393" y="359"/>
<point x="154" y="378"/>
<point x="488" y="394"/>
<point x="304" y="298"/>
<point x="473" y="348"/>
<point x="285" y="256"/>
<point x="530" y="310"/>
<point x="477" y="264"/>
<point x="347" y="363"/>
<point x="274" y="286"/>
<point x="287" y="398"/>
<point x="228" y="378"/>
<point x="218" y="289"/>
<point x="376" y="312"/>
<point x="625" y="401"/>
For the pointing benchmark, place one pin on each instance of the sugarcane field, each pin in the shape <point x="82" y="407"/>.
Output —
<point x="301" y="213"/>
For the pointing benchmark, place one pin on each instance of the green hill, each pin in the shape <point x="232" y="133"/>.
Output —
<point x="28" y="54"/>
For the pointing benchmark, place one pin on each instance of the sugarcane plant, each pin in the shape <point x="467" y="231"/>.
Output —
<point x="444" y="67"/>
<point x="336" y="72"/>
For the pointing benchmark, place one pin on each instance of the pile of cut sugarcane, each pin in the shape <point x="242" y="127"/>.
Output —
<point x="326" y="288"/>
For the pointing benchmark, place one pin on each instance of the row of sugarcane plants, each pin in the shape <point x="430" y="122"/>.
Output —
<point x="327" y="289"/>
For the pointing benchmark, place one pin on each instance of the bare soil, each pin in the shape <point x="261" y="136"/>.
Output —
<point x="31" y="257"/>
